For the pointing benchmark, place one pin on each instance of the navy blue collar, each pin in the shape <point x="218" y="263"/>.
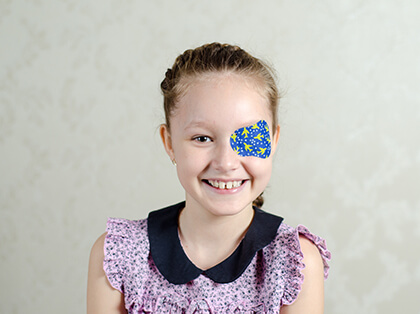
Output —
<point x="172" y="262"/>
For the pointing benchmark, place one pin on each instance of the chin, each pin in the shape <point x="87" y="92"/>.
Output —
<point x="227" y="208"/>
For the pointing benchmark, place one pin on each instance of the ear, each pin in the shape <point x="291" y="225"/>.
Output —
<point x="275" y="139"/>
<point x="165" y="135"/>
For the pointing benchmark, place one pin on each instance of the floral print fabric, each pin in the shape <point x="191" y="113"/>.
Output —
<point x="272" y="279"/>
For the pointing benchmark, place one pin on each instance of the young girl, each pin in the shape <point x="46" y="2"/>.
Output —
<point x="216" y="252"/>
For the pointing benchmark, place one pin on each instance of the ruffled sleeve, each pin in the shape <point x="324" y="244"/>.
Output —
<point x="116" y="248"/>
<point x="320" y="244"/>
<point x="294" y="264"/>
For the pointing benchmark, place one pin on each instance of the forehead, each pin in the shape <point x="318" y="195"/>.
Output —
<point x="253" y="82"/>
<point x="227" y="98"/>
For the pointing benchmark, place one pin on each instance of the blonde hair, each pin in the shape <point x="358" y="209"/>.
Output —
<point x="215" y="58"/>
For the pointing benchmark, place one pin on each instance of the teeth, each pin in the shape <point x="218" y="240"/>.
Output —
<point x="225" y="185"/>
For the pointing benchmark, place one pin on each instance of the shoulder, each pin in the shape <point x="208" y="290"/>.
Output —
<point x="314" y="247"/>
<point x="301" y="244"/>
<point x="311" y="254"/>
<point x="101" y="296"/>
<point x="108" y="256"/>
<point x="313" y="271"/>
<point x="310" y="298"/>
<point x="307" y="265"/>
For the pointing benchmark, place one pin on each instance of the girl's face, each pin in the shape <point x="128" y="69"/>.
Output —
<point x="215" y="178"/>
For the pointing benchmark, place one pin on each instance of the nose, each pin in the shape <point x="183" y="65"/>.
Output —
<point x="225" y="158"/>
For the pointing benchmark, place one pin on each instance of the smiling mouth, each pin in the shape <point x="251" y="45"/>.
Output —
<point x="224" y="185"/>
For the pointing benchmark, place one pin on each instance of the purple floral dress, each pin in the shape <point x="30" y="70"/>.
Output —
<point x="145" y="261"/>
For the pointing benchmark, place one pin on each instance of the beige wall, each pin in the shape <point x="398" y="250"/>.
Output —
<point x="80" y="104"/>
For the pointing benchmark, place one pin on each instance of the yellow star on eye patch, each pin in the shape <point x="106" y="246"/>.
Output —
<point x="262" y="151"/>
<point x="259" y="136"/>
<point x="245" y="132"/>
<point x="248" y="147"/>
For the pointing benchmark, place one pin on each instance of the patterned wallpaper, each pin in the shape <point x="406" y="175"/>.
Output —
<point x="79" y="111"/>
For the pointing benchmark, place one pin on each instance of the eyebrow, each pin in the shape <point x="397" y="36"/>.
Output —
<point x="195" y="124"/>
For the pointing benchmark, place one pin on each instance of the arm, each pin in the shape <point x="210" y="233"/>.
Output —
<point x="102" y="298"/>
<point x="311" y="296"/>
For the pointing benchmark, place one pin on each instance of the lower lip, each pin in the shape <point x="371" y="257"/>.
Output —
<point x="226" y="191"/>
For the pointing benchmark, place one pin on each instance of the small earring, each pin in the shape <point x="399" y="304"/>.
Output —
<point x="174" y="162"/>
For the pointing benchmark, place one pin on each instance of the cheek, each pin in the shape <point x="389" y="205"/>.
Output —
<point x="260" y="169"/>
<point x="190" y="163"/>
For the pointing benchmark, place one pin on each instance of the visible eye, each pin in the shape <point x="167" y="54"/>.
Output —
<point x="202" y="139"/>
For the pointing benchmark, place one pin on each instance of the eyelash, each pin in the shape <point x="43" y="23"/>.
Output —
<point x="206" y="139"/>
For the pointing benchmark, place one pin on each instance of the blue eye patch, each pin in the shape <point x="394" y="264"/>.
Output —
<point x="253" y="140"/>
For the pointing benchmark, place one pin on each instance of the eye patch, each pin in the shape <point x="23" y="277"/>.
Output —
<point x="253" y="140"/>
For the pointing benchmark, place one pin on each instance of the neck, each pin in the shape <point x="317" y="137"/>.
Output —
<point x="208" y="239"/>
